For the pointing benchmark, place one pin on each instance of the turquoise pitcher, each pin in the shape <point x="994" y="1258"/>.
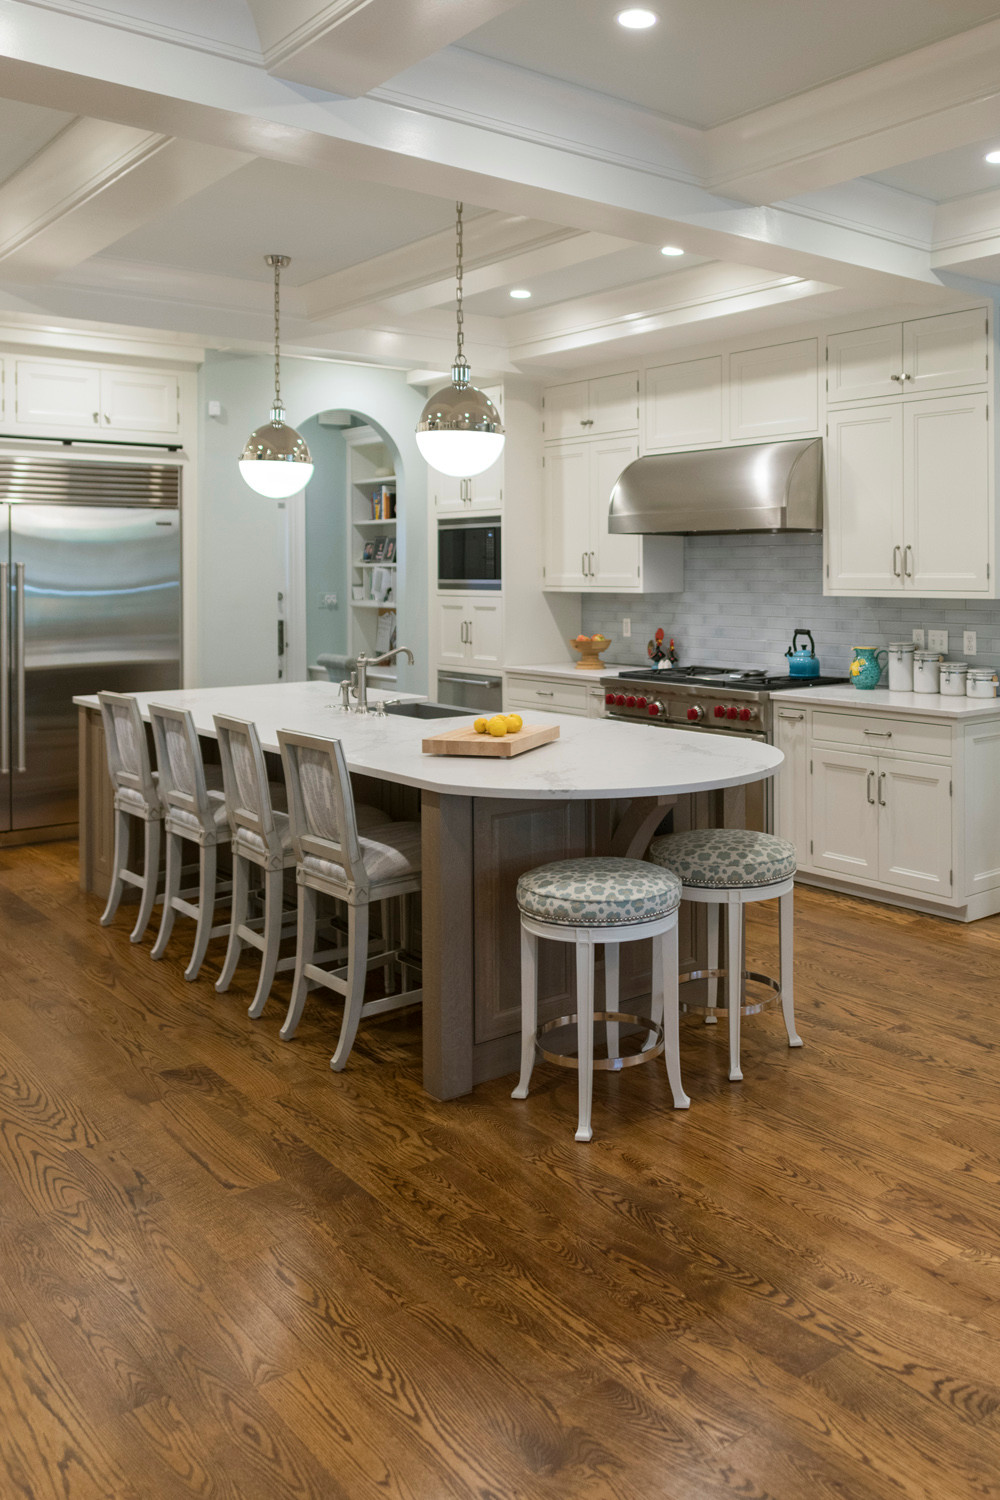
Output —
<point x="866" y="668"/>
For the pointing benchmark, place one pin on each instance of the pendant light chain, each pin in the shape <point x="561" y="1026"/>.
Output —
<point x="459" y="313"/>
<point x="277" y="331"/>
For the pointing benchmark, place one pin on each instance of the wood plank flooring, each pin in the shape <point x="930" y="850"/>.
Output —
<point x="227" y="1272"/>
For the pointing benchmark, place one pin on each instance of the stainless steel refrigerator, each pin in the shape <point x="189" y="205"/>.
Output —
<point x="90" y="598"/>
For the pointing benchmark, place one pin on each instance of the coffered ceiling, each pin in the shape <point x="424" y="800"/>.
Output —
<point x="807" y="158"/>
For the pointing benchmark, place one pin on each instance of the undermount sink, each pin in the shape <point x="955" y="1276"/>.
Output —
<point x="425" y="711"/>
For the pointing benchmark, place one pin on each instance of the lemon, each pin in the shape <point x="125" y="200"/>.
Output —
<point x="514" y="723"/>
<point x="480" y="726"/>
<point x="497" y="725"/>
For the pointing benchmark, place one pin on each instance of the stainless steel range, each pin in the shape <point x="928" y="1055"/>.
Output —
<point x="708" y="700"/>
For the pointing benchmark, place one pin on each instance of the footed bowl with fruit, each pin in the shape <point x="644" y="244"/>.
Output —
<point x="590" y="648"/>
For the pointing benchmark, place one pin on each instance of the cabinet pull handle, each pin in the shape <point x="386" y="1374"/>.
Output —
<point x="784" y="714"/>
<point x="541" y="693"/>
<point x="879" y="734"/>
<point x="896" y="552"/>
<point x="868" y="789"/>
<point x="904" y="376"/>
<point x="900" y="378"/>
<point x="583" y="563"/>
<point x="881" y="788"/>
<point x="907" y="550"/>
<point x="107" y="417"/>
<point x="97" y="416"/>
<point x="469" y="636"/>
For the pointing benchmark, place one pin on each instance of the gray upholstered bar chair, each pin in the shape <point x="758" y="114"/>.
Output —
<point x="194" y="812"/>
<point x="731" y="867"/>
<point x="336" y="859"/>
<point x="136" y="796"/>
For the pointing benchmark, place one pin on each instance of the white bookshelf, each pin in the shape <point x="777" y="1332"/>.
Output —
<point x="371" y="482"/>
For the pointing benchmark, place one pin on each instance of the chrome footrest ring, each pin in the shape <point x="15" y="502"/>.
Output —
<point x="745" y="1010"/>
<point x="603" y="1064"/>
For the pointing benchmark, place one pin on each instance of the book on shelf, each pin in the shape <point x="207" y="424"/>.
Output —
<point x="383" y="504"/>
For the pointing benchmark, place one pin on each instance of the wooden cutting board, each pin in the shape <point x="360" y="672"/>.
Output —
<point x="468" y="742"/>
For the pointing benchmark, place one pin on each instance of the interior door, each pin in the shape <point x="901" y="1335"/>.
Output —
<point x="95" y="594"/>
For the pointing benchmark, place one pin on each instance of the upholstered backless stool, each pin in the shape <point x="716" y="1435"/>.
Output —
<point x="586" y="902"/>
<point x="731" y="867"/>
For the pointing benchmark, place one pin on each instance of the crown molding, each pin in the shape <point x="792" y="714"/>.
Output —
<point x="103" y="15"/>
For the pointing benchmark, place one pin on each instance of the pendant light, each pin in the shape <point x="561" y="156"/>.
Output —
<point x="276" y="461"/>
<point x="460" y="431"/>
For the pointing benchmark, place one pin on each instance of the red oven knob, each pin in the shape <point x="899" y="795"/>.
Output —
<point x="609" y="698"/>
<point x="732" y="713"/>
<point x="720" y="712"/>
<point x="620" y="699"/>
<point x="695" y="714"/>
<point x="640" y="703"/>
<point x="746" y="713"/>
<point x="630" y="700"/>
<point x="655" y="709"/>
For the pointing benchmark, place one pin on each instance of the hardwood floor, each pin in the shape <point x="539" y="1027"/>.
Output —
<point x="227" y="1272"/>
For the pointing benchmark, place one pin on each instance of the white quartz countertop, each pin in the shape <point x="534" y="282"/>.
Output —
<point x="566" y="670"/>
<point x="927" y="705"/>
<point x="592" y="758"/>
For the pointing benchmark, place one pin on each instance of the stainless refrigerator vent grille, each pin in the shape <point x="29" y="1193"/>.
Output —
<point x="61" y="481"/>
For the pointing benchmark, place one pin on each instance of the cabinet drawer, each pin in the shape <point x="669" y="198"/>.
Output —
<point x="872" y="732"/>
<point x="543" y="692"/>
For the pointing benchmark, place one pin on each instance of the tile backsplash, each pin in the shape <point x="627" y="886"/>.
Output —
<point x="744" y="595"/>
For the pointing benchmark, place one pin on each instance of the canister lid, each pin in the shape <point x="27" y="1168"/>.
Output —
<point x="902" y="646"/>
<point x="983" y="674"/>
<point x="928" y="656"/>
<point x="954" y="666"/>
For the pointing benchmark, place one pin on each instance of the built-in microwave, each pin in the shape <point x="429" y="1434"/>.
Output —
<point x="469" y="553"/>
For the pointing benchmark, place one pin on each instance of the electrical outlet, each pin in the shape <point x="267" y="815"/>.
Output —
<point x="626" y="628"/>
<point x="968" y="643"/>
<point x="937" y="640"/>
<point x="918" y="638"/>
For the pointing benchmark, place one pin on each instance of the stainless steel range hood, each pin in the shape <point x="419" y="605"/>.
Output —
<point x="762" y="487"/>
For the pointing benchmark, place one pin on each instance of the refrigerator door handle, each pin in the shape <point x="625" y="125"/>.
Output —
<point x="19" y="648"/>
<point x="4" y="669"/>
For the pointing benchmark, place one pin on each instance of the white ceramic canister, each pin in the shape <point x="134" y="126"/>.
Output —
<point x="953" y="675"/>
<point x="981" y="682"/>
<point x="927" y="671"/>
<point x="901" y="666"/>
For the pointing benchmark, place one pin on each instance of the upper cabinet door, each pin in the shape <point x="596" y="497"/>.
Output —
<point x="566" y="412"/>
<point x="865" y="364"/>
<point x="774" y="392"/>
<point x="945" y="351"/>
<point x="683" y="407"/>
<point x="566" y="515"/>
<point x="864" y="494"/>
<point x="485" y="631"/>
<point x="614" y="404"/>
<point x="57" y="394"/>
<point x="140" y="401"/>
<point x="615" y="564"/>
<point x="946" y="481"/>
<point x="447" y="492"/>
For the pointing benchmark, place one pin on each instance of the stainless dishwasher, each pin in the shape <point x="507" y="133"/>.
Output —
<point x="465" y="690"/>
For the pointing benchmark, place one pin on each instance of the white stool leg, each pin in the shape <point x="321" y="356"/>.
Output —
<point x="668" y="949"/>
<point x="734" y="959"/>
<point x="529" y="1010"/>
<point x="120" y="859"/>
<point x="656" y="996"/>
<point x="206" y="908"/>
<point x="786" y="924"/>
<point x="175" y="859"/>
<point x="585" y="1035"/>
<point x="237" y="919"/>
<point x="357" y="971"/>
<point x="150" y="876"/>
<point x="612" y="953"/>
<point x="712" y="914"/>
<point x="272" y="940"/>
<point x="305" y="947"/>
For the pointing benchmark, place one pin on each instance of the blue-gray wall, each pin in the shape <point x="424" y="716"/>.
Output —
<point x="744" y="595"/>
<point x="326" y="556"/>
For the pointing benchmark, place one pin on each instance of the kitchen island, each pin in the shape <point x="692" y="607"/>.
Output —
<point x="601" y="788"/>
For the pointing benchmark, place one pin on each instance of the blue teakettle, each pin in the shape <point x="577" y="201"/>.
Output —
<point x="803" y="663"/>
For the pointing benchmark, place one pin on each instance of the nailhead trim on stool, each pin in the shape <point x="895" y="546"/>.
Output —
<point x="724" y="857"/>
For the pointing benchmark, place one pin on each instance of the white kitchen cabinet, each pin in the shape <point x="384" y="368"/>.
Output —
<point x="914" y="799"/>
<point x="481" y="492"/>
<point x="446" y="492"/>
<point x="558" y="695"/>
<point x="452" y="628"/>
<point x="844" y="813"/>
<point x="6" y="392"/>
<point x="469" y="630"/>
<point x="683" y="405"/>
<point x="140" y="401"/>
<point x="57" y="393"/>
<point x="566" y="515"/>
<point x="615" y="560"/>
<point x="791" y="784"/>
<point x="591" y="408"/>
<point x="774" y="391"/>
<point x="909" y="504"/>
<point x="65" y="396"/>
<point x="938" y="353"/>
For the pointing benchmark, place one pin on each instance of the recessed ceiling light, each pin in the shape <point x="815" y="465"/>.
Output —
<point x="637" y="20"/>
<point x="993" y="157"/>
<point x="671" y="250"/>
<point x="520" y="292"/>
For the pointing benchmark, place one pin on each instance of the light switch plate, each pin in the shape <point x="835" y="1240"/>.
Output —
<point x="626" y="628"/>
<point x="968" y="643"/>
<point x="918" y="638"/>
<point x="937" y="640"/>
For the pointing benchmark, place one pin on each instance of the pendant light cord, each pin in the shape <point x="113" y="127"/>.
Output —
<point x="459" y="313"/>
<point x="277" y="332"/>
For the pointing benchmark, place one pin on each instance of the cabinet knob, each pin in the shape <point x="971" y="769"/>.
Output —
<point x="97" y="416"/>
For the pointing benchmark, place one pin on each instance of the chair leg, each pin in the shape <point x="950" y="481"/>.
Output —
<point x="734" y="957"/>
<point x="529" y="1010"/>
<point x="585" y="1037"/>
<point x="388" y="924"/>
<point x="175" y="860"/>
<point x="712" y="914"/>
<point x="669" y="958"/>
<point x="237" y="919"/>
<point x="612" y="953"/>
<point x="786" y="922"/>
<point x="206" y="908"/>
<point x="305" y="947"/>
<point x="357" y="970"/>
<point x="150" y="877"/>
<point x="272" y="940"/>
<point x="120" y="863"/>
<point x="656" y="995"/>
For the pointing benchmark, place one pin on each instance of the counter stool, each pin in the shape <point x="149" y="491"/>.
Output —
<point x="731" y="867"/>
<point x="136" y="796"/>
<point x="586" y="902"/>
<point x="194" y="810"/>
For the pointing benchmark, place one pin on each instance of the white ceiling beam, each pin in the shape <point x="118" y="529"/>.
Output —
<point x="966" y="230"/>
<point x="92" y="184"/>
<point x="349" y="46"/>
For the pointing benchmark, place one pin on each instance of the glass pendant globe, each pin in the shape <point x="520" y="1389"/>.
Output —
<point x="276" y="461"/>
<point x="460" y="454"/>
<point x="460" y="432"/>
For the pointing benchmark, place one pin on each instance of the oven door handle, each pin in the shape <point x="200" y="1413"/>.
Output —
<point x="19" y="660"/>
